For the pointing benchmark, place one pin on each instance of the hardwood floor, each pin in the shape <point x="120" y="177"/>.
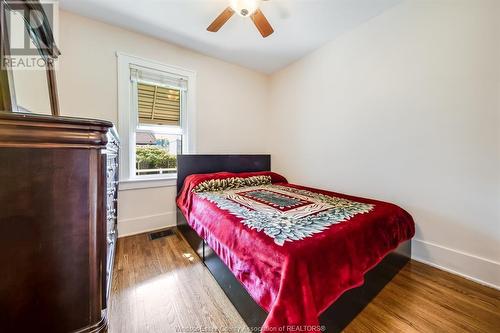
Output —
<point x="162" y="286"/>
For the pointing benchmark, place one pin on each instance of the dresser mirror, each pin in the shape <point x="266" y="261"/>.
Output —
<point x="28" y="55"/>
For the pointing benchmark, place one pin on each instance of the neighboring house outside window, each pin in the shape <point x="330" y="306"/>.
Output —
<point x="156" y="111"/>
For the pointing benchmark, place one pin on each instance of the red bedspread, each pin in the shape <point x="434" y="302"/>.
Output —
<point x="295" y="249"/>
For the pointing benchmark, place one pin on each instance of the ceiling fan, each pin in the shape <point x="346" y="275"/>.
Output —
<point x="244" y="8"/>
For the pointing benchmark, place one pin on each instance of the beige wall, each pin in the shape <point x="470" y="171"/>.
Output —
<point x="405" y="109"/>
<point x="31" y="90"/>
<point x="231" y="102"/>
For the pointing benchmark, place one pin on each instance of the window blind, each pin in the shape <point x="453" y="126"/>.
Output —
<point x="158" y="96"/>
<point x="155" y="77"/>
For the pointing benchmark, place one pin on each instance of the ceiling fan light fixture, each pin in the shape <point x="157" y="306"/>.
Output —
<point x="245" y="8"/>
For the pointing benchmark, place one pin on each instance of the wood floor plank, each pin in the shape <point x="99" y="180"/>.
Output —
<point x="162" y="286"/>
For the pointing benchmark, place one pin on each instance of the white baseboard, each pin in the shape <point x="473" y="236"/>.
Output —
<point x="139" y="225"/>
<point x="477" y="269"/>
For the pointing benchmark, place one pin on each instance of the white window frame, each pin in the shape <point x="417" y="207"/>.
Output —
<point x="127" y="119"/>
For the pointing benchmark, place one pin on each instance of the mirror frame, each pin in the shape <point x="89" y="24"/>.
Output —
<point x="43" y="36"/>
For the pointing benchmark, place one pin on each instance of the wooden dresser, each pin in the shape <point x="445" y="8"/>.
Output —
<point x="58" y="190"/>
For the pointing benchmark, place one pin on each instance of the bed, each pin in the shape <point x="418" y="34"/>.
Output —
<point x="289" y="257"/>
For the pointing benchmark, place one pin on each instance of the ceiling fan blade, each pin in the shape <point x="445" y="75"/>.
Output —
<point x="262" y="23"/>
<point x="221" y="20"/>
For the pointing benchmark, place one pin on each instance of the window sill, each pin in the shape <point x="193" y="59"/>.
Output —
<point x="134" y="184"/>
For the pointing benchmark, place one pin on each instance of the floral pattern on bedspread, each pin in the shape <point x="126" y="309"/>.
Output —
<point x="231" y="183"/>
<point x="285" y="213"/>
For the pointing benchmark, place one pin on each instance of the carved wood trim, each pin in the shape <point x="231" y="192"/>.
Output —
<point x="38" y="131"/>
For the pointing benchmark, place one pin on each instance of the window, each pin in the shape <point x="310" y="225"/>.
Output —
<point x="159" y="106"/>
<point x="156" y="107"/>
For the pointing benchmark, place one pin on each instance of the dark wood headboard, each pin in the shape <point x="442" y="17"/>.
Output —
<point x="192" y="164"/>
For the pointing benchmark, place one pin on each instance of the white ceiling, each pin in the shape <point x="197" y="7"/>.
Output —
<point x="300" y="25"/>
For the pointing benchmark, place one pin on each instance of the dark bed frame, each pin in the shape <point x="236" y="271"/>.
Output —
<point x="339" y="314"/>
